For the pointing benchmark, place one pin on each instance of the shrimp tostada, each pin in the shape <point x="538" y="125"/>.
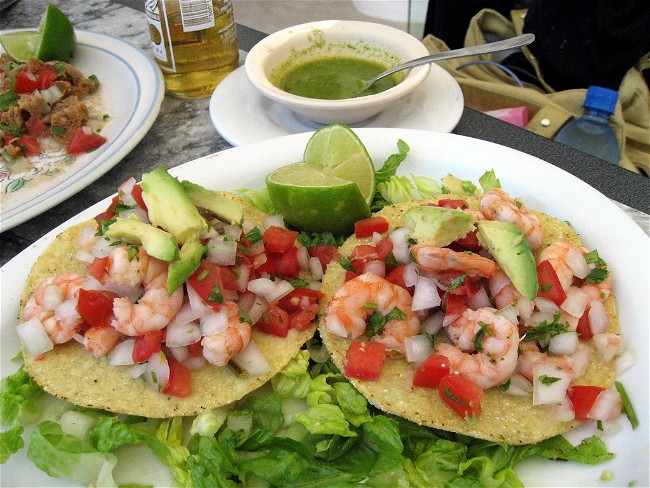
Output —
<point x="475" y="315"/>
<point x="175" y="300"/>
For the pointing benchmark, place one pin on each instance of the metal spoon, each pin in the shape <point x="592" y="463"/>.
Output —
<point x="491" y="47"/>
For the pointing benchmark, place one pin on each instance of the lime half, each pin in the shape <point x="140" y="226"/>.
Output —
<point x="54" y="40"/>
<point x="336" y="151"/>
<point x="313" y="201"/>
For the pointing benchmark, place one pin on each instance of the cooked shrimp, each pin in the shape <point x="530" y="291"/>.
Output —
<point x="443" y="263"/>
<point x="220" y="348"/>
<point x="485" y="347"/>
<point x="556" y="254"/>
<point x="360" y="297"/>
<point x="99" y="341"/>
<point x="498" y="205"/>
<point x="505" y="294"/>
<point x="153" y="310"/>
<point x="44" y="305"/>
<point x="598" y="291"/>
<point x="531" y="356"/>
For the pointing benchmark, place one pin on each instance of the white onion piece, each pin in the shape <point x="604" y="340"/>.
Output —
<point x="498" y="282"/>
<point x="480" y="299"/>
<point x="188" y="314"/>
<point x="560" y="412"/>
<point x="375" y="267"/>
<point x="607" y="406"/>
<point x="376" y="237"/>
<point x="126" y="191"/>
<point x="34" y="337"/>
<point x="608" y="345"/>
<point x="80" y="339"/>
<point x="598" y="318"/>
<point x="180" y="353"/>
<point x="67" y="310"/>
<point x="139" y="212"/>
<point x="576" y="302"/>
<point x="196" y="363"/>
<point x="626" y="360"/>
<point x="274" y="221"/>
<point x="222" y="252"/>
<point x="425" y="295"/>
<point x="563" y="344"/>
<point x="581" y="358"/>
<point x="182" y="334"/>
<point x="610" y="427"/>
<point x="233" y="231"/>
<point x="303" y="258"/>
<point x="316" y="268"/>
<point x="571" y="321"/>
<point x="519" y="386"/>
<point x="137" y="370"/>
<point x="122" y="354"/>
<point x="544" y="394"/>
<point x="418" y="348"/>
<point x="449" y="319"/>
<point x="103" y="247"/>
<point x="257" y="248"/>
<point x="546" y="305"/>
<point x="432" y="325"/>
<point x="269" y="290"/>
<point x="537" y="319"/>
<point x="509" y="313"/>
<point x="52" y="297"/>
<point x="400" y="245"/>
<point x="212" y="324"/>
<point x="524" y="307"/>
<point x="252" y="360"/>
<point x="157" y="372"/>
<point x="576" y="261"/>
<point x="410" y="274"/>
<point x="51" y="95"/>
<point x="84" y="256"/>
<point x="197" y="304"/>
<point x="258" y="306"/>
<point x="243" y="275"/>
<point x="584" y="431"/>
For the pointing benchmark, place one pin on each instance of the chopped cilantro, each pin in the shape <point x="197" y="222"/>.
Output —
<point x="298" y="283"/>
<point x="377" y="321"/>
<point x="546" y="329"/>
<point x="204" y="274"/>
<point x="505" y="386"/>
<point x="243" y="316"/>
<point x="215" y="295"/>
<point x="132" y="252"/>
<point x="56" y="130"/>
<point x="311" y="239"/>
<point x="94" y="79"/>
<point x="597" y="275"/>
<point x="627" y="405"/>
<point x="254" y="235"/>
<point x="457" y="282"/>
<point x="548" y="380"/>
<point x="8" y="99"/>
<point x="346" y="264"/>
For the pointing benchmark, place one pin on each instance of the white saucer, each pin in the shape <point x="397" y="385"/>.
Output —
<point x="242" y="115"/>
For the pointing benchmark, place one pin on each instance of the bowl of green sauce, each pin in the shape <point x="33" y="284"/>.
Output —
<point x="316" y="69"/>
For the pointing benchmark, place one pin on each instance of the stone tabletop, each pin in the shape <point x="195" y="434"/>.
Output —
<point x="183" y="131"/>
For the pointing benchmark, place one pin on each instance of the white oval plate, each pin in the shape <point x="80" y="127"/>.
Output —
<point x="131" y="92"/>
<point x="601" y="224"/>
<point x="241" y="114"/>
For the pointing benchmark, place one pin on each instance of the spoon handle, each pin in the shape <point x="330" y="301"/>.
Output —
<point x="490" y="47"/>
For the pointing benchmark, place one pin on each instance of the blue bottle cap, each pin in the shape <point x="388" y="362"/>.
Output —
<point x="600" y="98"/>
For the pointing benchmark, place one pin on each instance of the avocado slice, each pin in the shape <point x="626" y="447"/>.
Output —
<point x="452" y="184"/>
<point x="224" y="209"/>
<point x="437" y="226"/>
<point x="156" y="242"/>
<point x="508" y="245"/>
<point x="188" y="262"/>
<point x="169" y="206"/>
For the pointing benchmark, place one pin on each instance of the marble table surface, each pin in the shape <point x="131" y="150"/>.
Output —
<point x="183" y="131"/>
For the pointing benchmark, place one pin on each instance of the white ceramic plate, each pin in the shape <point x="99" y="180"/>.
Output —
<point x="601" y="224"/>
<point x="131" y="92"/>
<point x="241" y="114"/>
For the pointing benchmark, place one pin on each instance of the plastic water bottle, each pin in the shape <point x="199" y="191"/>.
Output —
<point x="591" y="133"/>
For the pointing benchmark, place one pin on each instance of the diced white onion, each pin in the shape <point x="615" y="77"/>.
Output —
<point x="243" y="275"/>
<point x="233" y="231"/>
<point x="479" y="300"/>
<point x="560" y="412"/>
<point x="375" y="267"/>
<point x="122" y="354"/>
<point x="222" y="252"/>
<point x="137" y="370"/>
<point x="418" y="348"/>
<point x="252" y="360"/>
<point x="125" y="190"/>
<point x="608" y="345"/>
<point x="188" y="314"/>
<point x="432" y="325"/>
<point x="103" y="247"/>
<point x="524" y="307"/>
<point x="576" y="302"/>
<point x="376" y="237"/>
<point x="553" y="392"/>
<point x="537" y="319"/>
<point x="563" y="344"/>
<point x="34" y="337"/>
<point x="139" y="212"/>
<point x="67" y="310"/>
<point x="182" y="334"/>
<point x="598" y="318"/>
<point x="581" y="358"/>
<point x="498" y="282"/>
<point x="316" y="268"/>
<point x="607" y="406"/>
<point x="576" y="261"/>
<point x="546" y="305"/>
<point x="400" y="244"/>
<point x="268" y="289"/>
<point x="257" y="248"/>
<point x="258" y="307"/>
<point x="274" y="221"/>
<point x="510" y="313"/>
<point x="196" y="363"/>
<point x="157" y="373"/>
<point x="626" y="360"/>
<point x="578" y="434"/>
<point x="519" y="386"/>
<point x="180" y="353"/>
<point x="52" y="297"/>
<point x="449" y="319"/>
<point x="212" y="324"/>
<point x="410" y="274"/>
<point x="199" y="307"/>
<point x="52" y="94"/>
<point x="425" y="295"/>
<point x="303" y="258"/>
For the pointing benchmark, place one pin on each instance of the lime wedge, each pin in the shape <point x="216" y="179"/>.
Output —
<point x="336" y="151"/>
<point x="313" y="201"/>
<point x="54" y="40"/>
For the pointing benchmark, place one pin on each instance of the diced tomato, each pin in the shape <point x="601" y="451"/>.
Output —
<point x="277" y="239"/>
<point x="302" y="319"/>
<point x="180" y="378"/>
<point x="582" y="398"/>
<point x="362" y="254"/>
<point x="455" y="304"/>
<point x="349" y="275"/>
<point x="195" y="349"/>
<point x="287" y="263"/>
<point x="366" y="227"/>
<point x="210" y="275"/>
<point x="28" y="145"/>
<point x="268" y="266"/>
<point x="136" y="193"/>
<point x="82" y="141"/>
<point x="364" y="360"/>
<point x="299" y="299"/>
<point x="396" y="276"/>
<point x="47" y="77"/>
<point x="384" y="248"/>
<point x="36" y="127"/>
<point x="274" y="321"/>
<point x="147" y="344"/>
<point x="463" y="396"/>
<point x="584" y="327"/>
<point x="549" y="284"/>
<point x="431" y="371"/>
<point x="324" y="252"/>
<point x="25" y="82"/>
<point x="468" y="243"/>
<point x="96" y="307"/>
<point x="452" y="203"/>
<point x="469" y="288"/>
<point x="97" y="269"/>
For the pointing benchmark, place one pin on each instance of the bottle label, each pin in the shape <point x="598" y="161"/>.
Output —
<point x="196" y="14"/>
<point x="159" y="33"/>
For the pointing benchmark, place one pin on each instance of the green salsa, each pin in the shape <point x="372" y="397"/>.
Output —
<point x="334" y="78"/>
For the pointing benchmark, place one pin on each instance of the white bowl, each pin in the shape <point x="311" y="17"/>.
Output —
<point x="366" y="40"/>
